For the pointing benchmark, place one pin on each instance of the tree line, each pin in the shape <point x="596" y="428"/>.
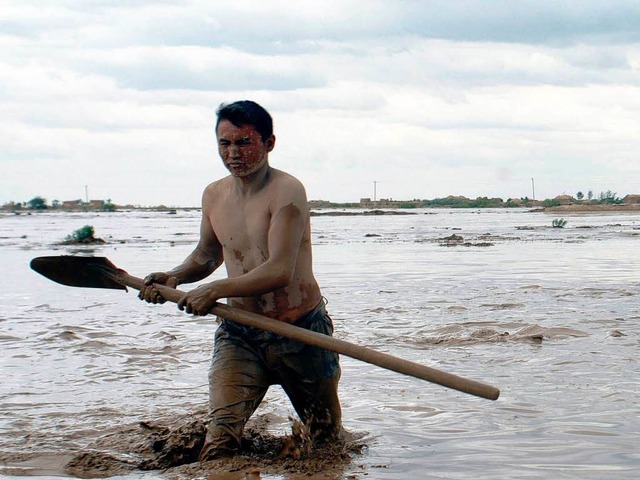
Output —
<point x="41" y="203"/>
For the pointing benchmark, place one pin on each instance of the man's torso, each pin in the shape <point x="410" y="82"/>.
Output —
<point x="241" y="224"/>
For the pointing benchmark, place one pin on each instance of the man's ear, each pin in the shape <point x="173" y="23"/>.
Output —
<point x="270" y="143"/>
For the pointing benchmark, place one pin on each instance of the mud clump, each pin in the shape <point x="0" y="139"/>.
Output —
<point x="458" y="241"/>
<point x="84" y="241"/>
<point x="174" y="449"/>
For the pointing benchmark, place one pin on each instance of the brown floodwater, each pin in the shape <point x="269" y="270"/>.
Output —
<point x="95" y="383"/>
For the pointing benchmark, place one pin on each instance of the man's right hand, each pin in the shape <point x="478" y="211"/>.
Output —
<point x="149" y="293"/>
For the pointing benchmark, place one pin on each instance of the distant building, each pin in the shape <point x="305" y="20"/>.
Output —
<point x="631" y="199"/>
<point x="564" y="199"/>
<point x="461" y="198"/>
<point x="11" y="206"/>
<point x="95" y="204"/>
<point x="71" y="204"/>
<point x="80" y="205"/>
<point x="319" y="204"/>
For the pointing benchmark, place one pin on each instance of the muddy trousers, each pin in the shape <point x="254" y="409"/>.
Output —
<point x="246" y="361"/>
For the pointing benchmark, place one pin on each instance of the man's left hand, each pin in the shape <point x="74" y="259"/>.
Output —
<point x="198" y="301"/>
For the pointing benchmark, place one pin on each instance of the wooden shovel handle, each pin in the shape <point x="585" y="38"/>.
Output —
<point x="330" y="343"/>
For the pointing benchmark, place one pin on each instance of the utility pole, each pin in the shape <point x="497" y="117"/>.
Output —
<point x="533" y="189"/>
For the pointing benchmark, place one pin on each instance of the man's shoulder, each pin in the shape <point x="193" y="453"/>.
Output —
<point x="285" y="189"/>
<point x="282" y="177"/>
<point x="216" y="185"/>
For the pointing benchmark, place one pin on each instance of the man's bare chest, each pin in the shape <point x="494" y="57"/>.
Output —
<point x="240" y="228"/>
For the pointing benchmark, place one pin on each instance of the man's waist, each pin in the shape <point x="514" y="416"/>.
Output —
<point x="304" y="321"/>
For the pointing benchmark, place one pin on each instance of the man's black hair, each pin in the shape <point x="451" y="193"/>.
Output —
<point x="246" y="112"/>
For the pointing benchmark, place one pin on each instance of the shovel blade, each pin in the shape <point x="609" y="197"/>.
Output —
<point x="74" y="271"/>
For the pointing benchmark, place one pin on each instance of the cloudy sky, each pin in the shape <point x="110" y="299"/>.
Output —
<point x="425" y="98"/>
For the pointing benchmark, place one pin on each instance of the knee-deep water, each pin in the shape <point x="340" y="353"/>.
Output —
<point x="551" y="316"/>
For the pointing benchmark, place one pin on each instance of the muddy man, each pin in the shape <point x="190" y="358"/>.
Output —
<point x="256" y="221"/>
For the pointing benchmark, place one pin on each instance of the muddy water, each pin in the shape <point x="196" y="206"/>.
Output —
<point x="550" y="316"/>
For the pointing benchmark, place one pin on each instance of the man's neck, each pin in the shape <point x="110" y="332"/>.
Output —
<point x="254" y="182"/>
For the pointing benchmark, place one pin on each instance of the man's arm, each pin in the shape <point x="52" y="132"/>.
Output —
<point x="204" y="260"/>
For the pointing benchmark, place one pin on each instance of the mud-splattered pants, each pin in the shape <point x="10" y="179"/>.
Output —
<point x="246" y="361"/>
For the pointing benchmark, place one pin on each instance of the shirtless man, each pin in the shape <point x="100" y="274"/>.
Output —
<point x="256" y="221"/>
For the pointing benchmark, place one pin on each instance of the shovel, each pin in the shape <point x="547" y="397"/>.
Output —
<point x="99" y="272"/>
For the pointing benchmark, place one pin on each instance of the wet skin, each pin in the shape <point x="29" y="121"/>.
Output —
<point x="256" y="221"/>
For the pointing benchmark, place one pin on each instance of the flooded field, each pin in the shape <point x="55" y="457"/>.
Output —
<point x="551" y="316"/>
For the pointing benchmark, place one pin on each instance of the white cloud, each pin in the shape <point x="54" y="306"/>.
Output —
<point x="427" y="98"/>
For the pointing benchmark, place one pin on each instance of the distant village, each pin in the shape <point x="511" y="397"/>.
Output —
<point x="40" y="203"/>
<point x="604" y="199"/>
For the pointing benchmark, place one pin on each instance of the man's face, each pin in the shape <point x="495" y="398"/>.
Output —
<point x="242" y="149"/>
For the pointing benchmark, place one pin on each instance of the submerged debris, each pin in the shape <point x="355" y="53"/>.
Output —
<point x="459" y="335"/>
<point x="617" y="333"/>
<point x="458" y="241"/>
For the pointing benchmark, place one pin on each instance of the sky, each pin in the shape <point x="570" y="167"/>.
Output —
<point x="401" y="99"/>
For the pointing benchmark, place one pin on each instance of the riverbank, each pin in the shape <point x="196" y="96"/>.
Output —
<point x="359" y="211"/>
<point x="633" y="207"/>
<point x="574" y="208"/>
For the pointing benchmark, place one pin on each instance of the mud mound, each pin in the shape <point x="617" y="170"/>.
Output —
<point x="461" y="335"/>
<point x="175" y="448"/>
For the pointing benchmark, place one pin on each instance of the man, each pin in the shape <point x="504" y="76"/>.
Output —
<point x="256" y="221"/>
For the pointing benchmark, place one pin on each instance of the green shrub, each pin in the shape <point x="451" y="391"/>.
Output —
<point x="37" y="203"/>
<point x="610" y="197"/>
<point x="83" y="234"/>
<point x="558" y="223"/>
<point x="108" y="207"/>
